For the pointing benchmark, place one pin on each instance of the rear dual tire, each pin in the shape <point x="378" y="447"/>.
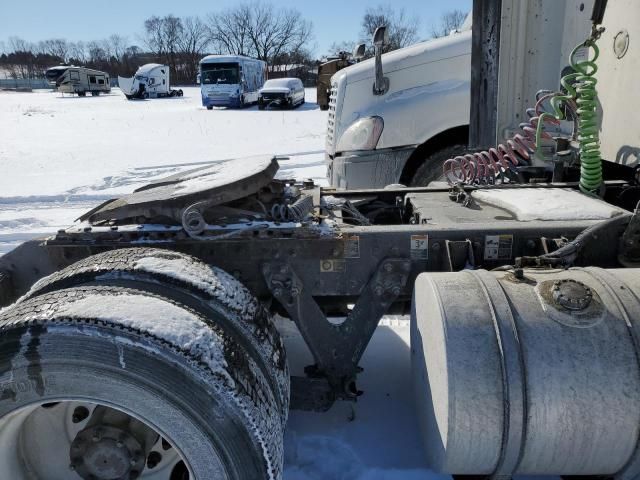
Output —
<point x="191" y="364"/>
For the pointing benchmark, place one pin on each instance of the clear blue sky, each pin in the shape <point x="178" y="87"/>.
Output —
<point x="333" y="20"/>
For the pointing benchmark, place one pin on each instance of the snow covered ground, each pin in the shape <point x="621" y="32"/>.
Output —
<point x="60" y="156"/>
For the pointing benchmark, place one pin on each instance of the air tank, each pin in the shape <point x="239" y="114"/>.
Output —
<point x="531" y="374"/>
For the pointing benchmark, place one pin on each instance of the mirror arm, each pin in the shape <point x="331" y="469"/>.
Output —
<point x="381" y="85"/>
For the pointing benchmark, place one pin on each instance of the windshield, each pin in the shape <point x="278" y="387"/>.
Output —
<point x="53" y="73"/>
<point x="225" y="73"/>
<point x="278" y="83"/>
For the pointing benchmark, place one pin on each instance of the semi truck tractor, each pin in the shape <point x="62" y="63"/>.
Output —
<point x="401" y="130"/>
<point x="140" y="342"/>
<point x="150" y="81"/>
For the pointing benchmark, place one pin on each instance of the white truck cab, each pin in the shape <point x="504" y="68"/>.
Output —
<point x="398" y="132"/>
<point x="150" y="81"/>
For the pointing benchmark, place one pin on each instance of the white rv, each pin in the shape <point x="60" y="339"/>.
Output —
<point x="231" y="80"/>
<point x="150" y="81"/>
<point x="80" y="80"/>
<point x="395" y="118"/>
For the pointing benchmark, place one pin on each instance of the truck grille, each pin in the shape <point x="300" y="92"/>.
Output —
<point x="331" y="120"/>
<point x="274" y="96"/>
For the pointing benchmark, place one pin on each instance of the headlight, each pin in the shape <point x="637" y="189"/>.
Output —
<point x="363" y="134"/>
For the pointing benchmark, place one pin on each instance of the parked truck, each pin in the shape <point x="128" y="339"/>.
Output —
<point x="140" y="343"/>
<point x="78" y="80"/>
<point x="327" y="69"/>
<point x="150" y="81"/>
<point x="400" y="132"/>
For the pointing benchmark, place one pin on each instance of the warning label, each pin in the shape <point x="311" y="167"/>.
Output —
<point x="352" y="246"/>
<point x="498" y="247"/>
<point x="419" y="247"/>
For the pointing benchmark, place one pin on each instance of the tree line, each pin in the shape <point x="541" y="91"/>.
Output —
<point x="403" y="28"/>
<point x="258" y="30"/>
<point x="279" y="36"/>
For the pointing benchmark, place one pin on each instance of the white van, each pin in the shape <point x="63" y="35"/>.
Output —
<point x="401" y="128"/>
<point x="281" y="92"/>
<point x="230" y="80"/>
<point x="80" y="80"/>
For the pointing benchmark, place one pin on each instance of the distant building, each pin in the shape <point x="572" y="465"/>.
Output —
<point x="308" y="73"/>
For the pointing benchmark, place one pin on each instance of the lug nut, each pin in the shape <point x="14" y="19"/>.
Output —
<point x="153" y="459"/>
<point x="80" y="414"/>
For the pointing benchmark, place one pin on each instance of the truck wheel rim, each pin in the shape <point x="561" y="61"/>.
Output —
<point x="73" y="440"/>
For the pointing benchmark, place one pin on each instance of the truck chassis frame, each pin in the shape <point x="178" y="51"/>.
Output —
<point x="336" y="286"/>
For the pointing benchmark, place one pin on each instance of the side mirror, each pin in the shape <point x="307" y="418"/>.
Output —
<point x="380" y="39"/>
<point x="381" y="36"/>
<point x="359" y="51"/>
<point x="198" y="79"/>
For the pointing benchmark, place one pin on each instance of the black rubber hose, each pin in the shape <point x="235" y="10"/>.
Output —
<point x="567" y="254"/>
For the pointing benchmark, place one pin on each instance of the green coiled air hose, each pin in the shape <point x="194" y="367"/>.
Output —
<point x="581" y="87"/>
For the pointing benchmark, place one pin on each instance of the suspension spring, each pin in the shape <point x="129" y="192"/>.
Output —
<point x="296" y="212"/>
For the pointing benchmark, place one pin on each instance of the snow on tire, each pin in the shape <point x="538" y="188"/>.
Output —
<point x="150" y="269"/>
<point x="146" y="356"/>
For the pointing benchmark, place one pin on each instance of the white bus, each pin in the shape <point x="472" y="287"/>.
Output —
<point x="230" y="80"/>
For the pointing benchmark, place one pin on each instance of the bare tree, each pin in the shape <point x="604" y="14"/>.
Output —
<point x="192" y="43"/>
<point x="274" y="32"/>
<point x="97" y="53"/>
<point x="451" y="20"/>
<point x="260" y="30"/>
<point x="229" y="30"/>
<point x="402" y="29"/>
<point x="163" y="36"/>
<point x="17" y="44"/>
<point x="117" y="46"/>
<point x="58" y="47"/>
<point x="78" y="51"/>
<point x="154" y="36"/>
